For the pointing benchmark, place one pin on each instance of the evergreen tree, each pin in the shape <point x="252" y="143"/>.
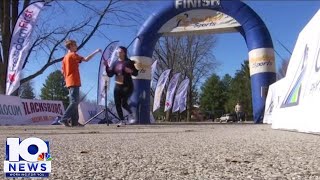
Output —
<point x="220" y="95"/>
<point x="26" y="91"/>
<point x="54" y="88"/>
<point x="240" y="90"/>
<point x="213" y="96"/>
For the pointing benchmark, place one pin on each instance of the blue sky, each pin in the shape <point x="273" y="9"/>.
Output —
<point x="284" y="19"/>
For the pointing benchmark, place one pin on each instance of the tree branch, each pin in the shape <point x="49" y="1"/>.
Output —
<point x="96" y="26"/>
<point x="41" y="70"/>
<point x="49" y="63"/>
<point x="35" y="44"/>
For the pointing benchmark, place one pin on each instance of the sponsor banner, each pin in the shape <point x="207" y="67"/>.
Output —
<point x="143" y="64"/>
<point x="261" y="60"/>
<point x="200" y="21"/>
<point x="159" y="89"/>
<point x="41" y="112"/>
<point x="300" y="92"/>
<point x="16" y="111"/>
<point x="11" y="111"/>
<point x="20" y="44"/>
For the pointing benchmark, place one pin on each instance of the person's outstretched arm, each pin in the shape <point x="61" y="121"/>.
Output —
<point x="86" y="59"/>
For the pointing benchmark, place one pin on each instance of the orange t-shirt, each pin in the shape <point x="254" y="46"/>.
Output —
<point x="70" y="69"/>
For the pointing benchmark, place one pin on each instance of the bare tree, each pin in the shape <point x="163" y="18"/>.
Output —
<point x="190" y="55"/>
<point x="50" y="34"/>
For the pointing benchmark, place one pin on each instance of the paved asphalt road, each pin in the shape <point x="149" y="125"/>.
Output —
<point x="175" y="151"/>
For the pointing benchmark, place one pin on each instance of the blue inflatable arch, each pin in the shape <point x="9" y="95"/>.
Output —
<point x="253" y="29"/>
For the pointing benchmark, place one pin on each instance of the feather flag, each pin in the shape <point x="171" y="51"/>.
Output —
<point x="159" y="89"/>
<point x="20" y="44"/>
<point x="171" y="90"/>
<point x="107" y="58"/>
<point x="153" y="71"/>
<point x="180" y="101"/>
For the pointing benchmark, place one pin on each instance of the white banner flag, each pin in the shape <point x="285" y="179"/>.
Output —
<point x="108" y="57"/>
<point x="153" y="71"/>
<point x="183" y="97"/>
<point x="159" y="89"/>
<point x="180" y="100"/>
<point x="20" y="44"/>
<point x="170" y="92"/>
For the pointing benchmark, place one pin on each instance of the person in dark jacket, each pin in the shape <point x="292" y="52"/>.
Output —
<point x="123" y="69"/>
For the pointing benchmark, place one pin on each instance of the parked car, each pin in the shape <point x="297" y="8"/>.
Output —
<point x="228" y="118"/>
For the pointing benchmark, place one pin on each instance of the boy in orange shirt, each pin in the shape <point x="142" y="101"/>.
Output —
<point x="70" y="70"/>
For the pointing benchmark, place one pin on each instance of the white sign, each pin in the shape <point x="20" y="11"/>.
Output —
<point x="200" y="21"/>
<point x="300" y="90"/>
<point x="11" y="111"/>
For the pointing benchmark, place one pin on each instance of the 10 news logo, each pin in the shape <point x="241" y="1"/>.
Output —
<point x="27" y="158"/>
